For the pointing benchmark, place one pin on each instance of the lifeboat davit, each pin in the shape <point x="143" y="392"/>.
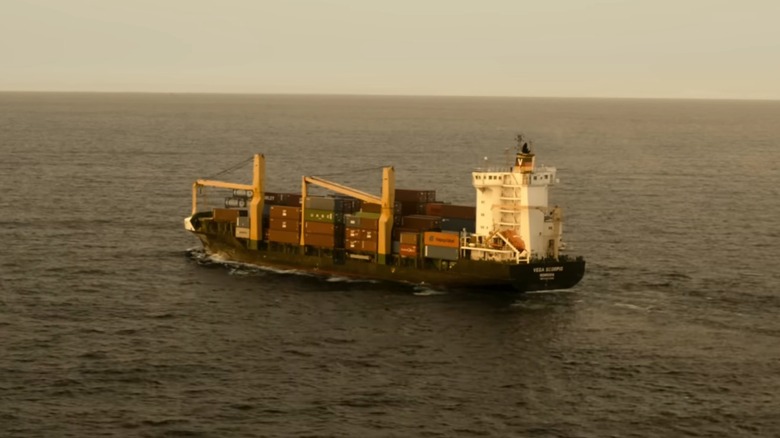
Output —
<point x="514" y="239"/>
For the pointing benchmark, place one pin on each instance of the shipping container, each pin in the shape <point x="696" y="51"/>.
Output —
<point x="325" y="203"/>
<point x="283" y="236"/>
<point x="323" y="216"/>
<point x="285" y="212"/>
<point x="409" y="238"/>
<point x="438" y="252"/>
<point x="291" y="199"/>
<point x="270" y="197"/>
<point x="452" y="224"/>
<point x="224" y="215"/>
<point x="396" y="235"/>
<point x="370" y="246"/>
<point x="407" y="250"/>
<point x="446" y="240"/>
<point x="433" y="209"/>
<point x="350" y="205"/>
<point x="353" y="233"/>
<point x="322" y="240"/>
<point x="422" y="222"/>
<point x="367" y="215"/>
<point x="370" y="207"/>
<point x="360" y="245"/>
<point x="458" y="211"/>
<point x="241" y="193"/>
<point x="351" y="220"/>
<point x="407" y="195"/>
<point x="367" y="223"/>
<point x="284" y="224"/>
<point x="288" y="199"/>
<point x="409" y="207"/>
<point x="369" y="235"/>
<point x="322" y="228"/>
<point x="235" y="202"/>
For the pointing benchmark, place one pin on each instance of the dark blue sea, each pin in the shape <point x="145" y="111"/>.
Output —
<point x="110" y="327"/>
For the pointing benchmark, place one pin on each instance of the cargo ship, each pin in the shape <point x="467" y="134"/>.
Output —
<point x="511" y="239"/>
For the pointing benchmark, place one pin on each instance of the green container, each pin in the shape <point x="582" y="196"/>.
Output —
<point x="367" y="215"/>
<point x="325" y="216"/>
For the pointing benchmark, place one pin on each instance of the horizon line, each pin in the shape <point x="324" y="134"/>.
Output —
<point x="477" y="96"/>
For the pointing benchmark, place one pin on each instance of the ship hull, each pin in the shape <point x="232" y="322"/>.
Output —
<point x="460" y="274"/>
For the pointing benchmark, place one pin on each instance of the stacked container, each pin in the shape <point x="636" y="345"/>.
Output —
<point x="361" y="232"/>
<point x="271" y="199"/>
<point x="409" y="244"/>
<point x="441" y="245"/>
<point x="413" y="201"/>
<point x="323" y="222"/>
<point x="284" y="224"/>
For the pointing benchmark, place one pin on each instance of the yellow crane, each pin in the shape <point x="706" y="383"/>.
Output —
<point x="258" y="198"/>
<point x="386" y="201"/>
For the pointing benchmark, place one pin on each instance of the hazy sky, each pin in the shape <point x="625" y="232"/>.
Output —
<point x="610" y="48"/>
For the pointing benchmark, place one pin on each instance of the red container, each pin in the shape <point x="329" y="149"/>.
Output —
<point x="407" y="250"/>
<point x="433" y="209"/>
<point x="458" y="211"/>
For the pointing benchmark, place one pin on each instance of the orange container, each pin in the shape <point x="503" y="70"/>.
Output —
<point x="444" y="240"/>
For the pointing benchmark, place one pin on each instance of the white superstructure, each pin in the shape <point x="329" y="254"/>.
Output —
<point x="514" y="220"/>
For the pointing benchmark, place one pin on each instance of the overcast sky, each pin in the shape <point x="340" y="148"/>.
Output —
<point x="606" y="48"/>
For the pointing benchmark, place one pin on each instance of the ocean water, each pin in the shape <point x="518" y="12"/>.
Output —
<point x="111" y="326"/>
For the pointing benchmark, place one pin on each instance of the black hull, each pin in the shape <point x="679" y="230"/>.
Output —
<point x="463" y="274"/>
